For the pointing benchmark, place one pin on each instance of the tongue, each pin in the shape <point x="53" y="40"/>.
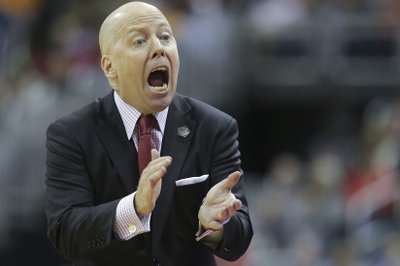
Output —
<point x="156" y="79"/>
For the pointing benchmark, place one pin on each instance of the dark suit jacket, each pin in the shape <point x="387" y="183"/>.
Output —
<point x="91" y="165"/>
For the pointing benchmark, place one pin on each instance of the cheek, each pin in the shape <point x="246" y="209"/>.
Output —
<point x="133" y="63"/>
<point x="175" y="64"/>
<point x="132" y="75"/>
<point x="173" y="54"/>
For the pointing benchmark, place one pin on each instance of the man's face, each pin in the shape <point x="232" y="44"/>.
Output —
<point x="143" y="62"/>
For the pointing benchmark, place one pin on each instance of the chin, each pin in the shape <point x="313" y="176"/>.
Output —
<point x="161" y="104"/>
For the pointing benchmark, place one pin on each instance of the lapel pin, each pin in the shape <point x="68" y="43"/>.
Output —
<point x="183" y="131"/>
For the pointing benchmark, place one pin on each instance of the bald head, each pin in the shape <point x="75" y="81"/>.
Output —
<point x="114" y="25"/>
<point x="139" y="56"/>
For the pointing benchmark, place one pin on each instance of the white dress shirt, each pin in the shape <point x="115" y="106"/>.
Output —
<point x="126" y="223"/>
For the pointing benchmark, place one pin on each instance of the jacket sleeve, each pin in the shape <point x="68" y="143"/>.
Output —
<point x="238" y="231"/>
<point x="76" y="227"/>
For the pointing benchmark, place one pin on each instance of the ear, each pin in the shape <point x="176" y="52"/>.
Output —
<point x="107" y="66"/>
<point x="109" y="71"/>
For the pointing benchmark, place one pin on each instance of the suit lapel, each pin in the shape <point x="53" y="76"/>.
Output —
<point x="112" y="134"/>
<point x="175" y="145"/>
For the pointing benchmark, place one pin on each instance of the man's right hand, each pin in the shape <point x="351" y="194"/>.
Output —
<point x="149" y="187"/>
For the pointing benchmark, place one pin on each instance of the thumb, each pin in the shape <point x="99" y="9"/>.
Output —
<point x="231" y="181"/>
<point x="154" y="154"/>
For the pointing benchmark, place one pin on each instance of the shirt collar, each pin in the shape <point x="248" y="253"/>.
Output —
<point x="130" y="116"/>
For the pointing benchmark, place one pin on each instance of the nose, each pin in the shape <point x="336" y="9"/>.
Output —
<point x="158" y="49"/>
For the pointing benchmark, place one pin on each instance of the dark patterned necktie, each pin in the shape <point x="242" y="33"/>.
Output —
<point x="146" y="124"/>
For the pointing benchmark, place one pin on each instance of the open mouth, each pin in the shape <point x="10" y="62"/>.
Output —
<point x="158" y="79"/>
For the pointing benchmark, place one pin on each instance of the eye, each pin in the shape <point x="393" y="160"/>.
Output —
<point x="165" y="37"/>
<point x="139" y="42"/>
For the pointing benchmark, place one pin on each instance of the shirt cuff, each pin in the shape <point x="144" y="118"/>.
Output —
<point x="126" y="222"/>
<point x="201" y="233"/>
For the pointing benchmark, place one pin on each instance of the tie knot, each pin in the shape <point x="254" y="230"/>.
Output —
<point x="146" y="124"/>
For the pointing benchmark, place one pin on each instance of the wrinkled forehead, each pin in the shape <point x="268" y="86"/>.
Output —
<point x="130" y="18"/>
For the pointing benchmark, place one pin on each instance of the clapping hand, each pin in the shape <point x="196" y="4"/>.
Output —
<point x="220" y="204"/>
<point x="149" y="187"/>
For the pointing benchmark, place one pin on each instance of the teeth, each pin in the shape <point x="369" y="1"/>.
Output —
<point x="159" y="69"/>
<point x="160" y="88"/>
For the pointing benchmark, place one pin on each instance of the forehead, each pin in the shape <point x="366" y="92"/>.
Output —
<point x="138" y="20"/>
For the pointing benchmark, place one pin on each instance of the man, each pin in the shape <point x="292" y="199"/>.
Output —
<point x="106" y="203"/>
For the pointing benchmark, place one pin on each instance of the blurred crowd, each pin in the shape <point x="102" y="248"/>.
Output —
<point x="339" y="205"/>
<point x="314" y="85"/>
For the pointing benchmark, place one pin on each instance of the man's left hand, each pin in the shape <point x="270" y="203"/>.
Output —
<point x="220" y="204"/>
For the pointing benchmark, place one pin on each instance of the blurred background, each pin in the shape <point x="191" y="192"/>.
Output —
<point x="313" y="84"/>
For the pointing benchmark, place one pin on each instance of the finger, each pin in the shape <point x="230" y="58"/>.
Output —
<point x="154" y="154"/>
<point x="156" y="177"/>
<point x="237" y="205"/>
<point x="155" y="171"/>
<point x="158" y="163"/>
<point x="214" y="225"/>
<point x="224" y="214"/>
<point x="229" y="182"/>
<point x="233" y="208"/>
<point x="160" y="159"/>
